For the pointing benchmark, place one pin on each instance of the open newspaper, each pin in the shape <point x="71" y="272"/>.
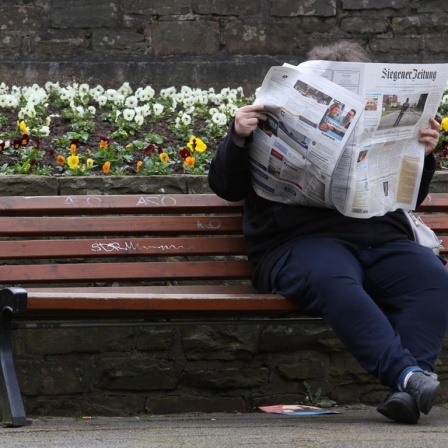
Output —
<point x="345" y="135"/>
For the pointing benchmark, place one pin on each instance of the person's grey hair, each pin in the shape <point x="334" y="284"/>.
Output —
<point x="344" y="50"/>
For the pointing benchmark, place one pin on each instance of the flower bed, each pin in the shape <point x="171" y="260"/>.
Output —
<point x="78" y="130"/>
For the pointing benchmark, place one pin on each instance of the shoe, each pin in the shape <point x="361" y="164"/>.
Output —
<point x="400" y="407"/>
<point x="423" y="386"/>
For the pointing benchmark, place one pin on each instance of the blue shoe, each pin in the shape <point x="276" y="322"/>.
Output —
<point x="400" y="407"/>
<point x="423" y="386"/>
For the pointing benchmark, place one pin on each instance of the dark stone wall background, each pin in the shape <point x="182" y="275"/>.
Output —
<point x="131" y="370"/>
<point x="203" y="43"/>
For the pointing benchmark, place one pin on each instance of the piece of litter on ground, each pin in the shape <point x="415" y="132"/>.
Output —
<point x="296" y="409"/>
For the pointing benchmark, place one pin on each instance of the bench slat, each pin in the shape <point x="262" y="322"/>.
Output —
<point x="435" y="202"/>
<point x="141" y="271"/>
<point x="94" y="301"/>
<point x="123" y="247"/>
<point x="113" y="225"/>
<point x="117" y="204"/>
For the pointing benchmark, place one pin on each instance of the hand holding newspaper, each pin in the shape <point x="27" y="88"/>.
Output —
<point x="345" y="135"/>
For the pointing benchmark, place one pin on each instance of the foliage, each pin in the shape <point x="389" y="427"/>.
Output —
<point x="316" y="399"/>
<point x="77" y="130"/>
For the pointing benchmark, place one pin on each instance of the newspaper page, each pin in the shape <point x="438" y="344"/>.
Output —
<point x="380" y="165"/>
<point x="296" y="150"/>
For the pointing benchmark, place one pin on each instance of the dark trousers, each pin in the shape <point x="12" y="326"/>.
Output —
<point x="387" y="304"/>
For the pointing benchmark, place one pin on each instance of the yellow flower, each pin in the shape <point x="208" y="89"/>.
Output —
<point x="89" y="162"/>
<point x="196" y="144"/>
<point x="189" y="161"/>
<point x="106" y="167"/>
<point x="444" y="124"/>
<point x="73" y="162"/>
<point x="73" y="148"/>
<point x="164" y="157"/>
<point x="60" y="160"/>
<point x="23" y="127"/>
<point x="138" y="166"/>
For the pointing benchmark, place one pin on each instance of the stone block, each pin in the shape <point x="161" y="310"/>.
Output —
<point x="75" y="340"/>
<point x="432" y="6"/>
<point x="22" y="185"/>
<point x="309" y="365"/>
<point x="226" y="8"/>
<point x="123" y="185"/>
<point x="185" y="38"/>
<point x="225" y="344"/>
<point x="274" y="38"/>
<point x="287" y="8"/>
<point x="364" y="25"/>
<point x="421" y="24"/>
<point x="135" y="373"/>
<point x="226" y="378"/>
<point x="51" y="376"/>
<point x="374" y="4"/>
<point x="155" y="7"/>
<point x="84" y="14"/>
<point x="14" y="18"/>
<point x="152" y="339"/>
<point x="10" y="44"/>
<point x="119" y="42"/>
<point x="57" y="43"/>
<point x="104" y="404"/>
<point x="385" y="47"/>
<point x="289" y="338"/>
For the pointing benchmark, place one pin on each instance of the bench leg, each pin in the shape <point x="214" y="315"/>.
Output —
<point x="11" y="404"/>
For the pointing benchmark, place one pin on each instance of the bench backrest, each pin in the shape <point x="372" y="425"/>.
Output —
<point x="125" y="238"/>
<point x="80" y="240"/>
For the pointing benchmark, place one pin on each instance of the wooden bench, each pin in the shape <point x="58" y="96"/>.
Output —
<point x="157" y="258"/>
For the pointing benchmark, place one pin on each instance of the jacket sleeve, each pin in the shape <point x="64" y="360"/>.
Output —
<point x="429" y="169"/>
<point x="229" y="174"/>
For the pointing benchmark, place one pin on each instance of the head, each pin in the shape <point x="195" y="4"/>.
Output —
<point x="350" y="114"/>
<point x="334" y="110"/>
<point x="344" y="51"/>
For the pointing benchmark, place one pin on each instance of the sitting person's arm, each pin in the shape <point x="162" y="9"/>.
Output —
<point x="229" y="175"/>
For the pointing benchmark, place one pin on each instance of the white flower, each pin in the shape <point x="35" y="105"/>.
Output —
<point x="131" y="102"/>
<point x="92" y="110"/>
<point x="2" y="100"/>
<point x="119" y="99"/>
<point x="102" y="100"/>
<point x="157" y="109"/>
<point x="111" y="94"/>
<point x="129" y="114"/>
<point x="166" y="93"/>
<point x="186" y="119"/>
<point x="125" y="89"/>
<point x="83" y="89"/>
<point x="145" y="94"/>
<point x="219" y="118"/>
<point x="139" y="119"/>
<point x="231" y="109"/>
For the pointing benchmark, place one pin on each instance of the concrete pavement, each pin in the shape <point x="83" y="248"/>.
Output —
<point x="356" y="426"/>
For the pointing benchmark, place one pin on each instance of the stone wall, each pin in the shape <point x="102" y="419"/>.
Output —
<point x="203" y="43"/>
<point x="130" y="370"/>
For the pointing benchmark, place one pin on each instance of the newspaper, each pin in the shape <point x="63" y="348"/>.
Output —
<point x="345" y="135"/>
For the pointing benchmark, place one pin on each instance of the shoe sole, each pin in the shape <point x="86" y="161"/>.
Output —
<point x="400" y="411"/>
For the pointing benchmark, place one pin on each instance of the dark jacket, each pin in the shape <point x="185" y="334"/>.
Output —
<point x="270" y="226"/>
